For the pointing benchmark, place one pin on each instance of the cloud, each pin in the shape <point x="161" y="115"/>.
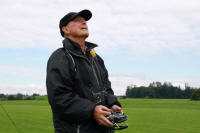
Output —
<point x="147" y="28"/>
<point x="28" y="89"/>
<point x="20" y="79"/>
<point x="144" y="27"/>
<point x="21" y="72"/>
<point x="120" y="82"/>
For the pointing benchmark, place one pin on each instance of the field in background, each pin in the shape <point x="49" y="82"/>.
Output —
<point x="144" y="116"/>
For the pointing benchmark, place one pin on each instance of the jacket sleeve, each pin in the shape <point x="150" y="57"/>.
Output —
<point x="111" y="99"/>
<point x="62" y="98"/>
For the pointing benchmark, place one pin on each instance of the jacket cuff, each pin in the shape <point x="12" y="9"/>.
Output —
<point x="112" y="100"/>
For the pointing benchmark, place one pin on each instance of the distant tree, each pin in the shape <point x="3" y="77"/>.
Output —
<point x="2" y="96"/>
<point x="29" y="98"/>
<point x="11" y="97"/>
<point x="151" y="92"/>
<point x="128" y="91"/>
<point x="159" y="90"/>
<point x="195" y="95"/>
<point x="19" y="96"/>
<point x="35" y="94"/>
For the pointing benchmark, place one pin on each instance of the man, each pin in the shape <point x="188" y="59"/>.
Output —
<point x="78" y="88"/>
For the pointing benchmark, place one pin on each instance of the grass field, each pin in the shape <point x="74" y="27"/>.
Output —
<point x="144" y="116"/>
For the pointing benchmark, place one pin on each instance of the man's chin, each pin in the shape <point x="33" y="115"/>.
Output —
<point x="85" y="35"/>
<point x="82" y="35"/>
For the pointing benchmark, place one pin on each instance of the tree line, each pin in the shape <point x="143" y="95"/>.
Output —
<point x="18" y="96"/>
<point x="165" y="90"/>
<point x="154" y="90"/>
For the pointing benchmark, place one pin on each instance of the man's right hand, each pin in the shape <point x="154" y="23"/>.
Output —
<point x="100" y="113"/>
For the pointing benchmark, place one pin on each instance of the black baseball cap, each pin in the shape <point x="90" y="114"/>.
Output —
<point x="87" y="14"/>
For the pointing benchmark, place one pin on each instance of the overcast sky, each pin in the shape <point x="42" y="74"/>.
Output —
<point x="140" y="41"/>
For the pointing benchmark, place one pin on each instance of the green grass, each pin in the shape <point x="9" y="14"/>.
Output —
<point x="162" y="116"/>
<point x="144" y="116"/>
<point x="30" y="116"/>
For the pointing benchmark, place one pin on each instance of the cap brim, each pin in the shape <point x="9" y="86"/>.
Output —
<point x="87" y="14"/>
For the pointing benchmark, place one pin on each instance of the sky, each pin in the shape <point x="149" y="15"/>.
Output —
<point x="140" y="41"/>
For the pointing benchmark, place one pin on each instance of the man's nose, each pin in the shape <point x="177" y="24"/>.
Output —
<point x="84" y="22"/>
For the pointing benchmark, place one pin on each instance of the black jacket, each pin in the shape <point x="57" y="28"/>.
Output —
<point x="76" y="83"/>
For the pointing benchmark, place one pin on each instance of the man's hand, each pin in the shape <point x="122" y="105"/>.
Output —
<point x="100" y="113"/>
<point x="116" y="108"/>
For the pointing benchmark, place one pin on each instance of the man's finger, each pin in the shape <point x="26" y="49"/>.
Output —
<point x="116" y="108"/>
<point x="107" y="122"/>
<point x="100" y="122"/>
<point x="119" y="109"/>
<point x="106" y="109"/>
<point x="105" y="113"/>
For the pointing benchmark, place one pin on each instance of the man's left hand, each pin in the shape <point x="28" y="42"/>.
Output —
<point x="116" y="108"/>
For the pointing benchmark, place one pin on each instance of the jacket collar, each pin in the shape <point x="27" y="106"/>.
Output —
<point x="74" y="47"/>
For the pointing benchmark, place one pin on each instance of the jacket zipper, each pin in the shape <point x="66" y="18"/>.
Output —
<point x="79" y="56"/>
<point x="91" y="65"/>
<point x="95" y="75"/>
<point x="78" y="129"/>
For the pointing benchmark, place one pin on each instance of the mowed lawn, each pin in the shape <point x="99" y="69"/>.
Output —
<point x="144" y="116"/>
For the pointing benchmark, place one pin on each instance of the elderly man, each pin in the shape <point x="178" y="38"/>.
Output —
<point x="78" y="88"/>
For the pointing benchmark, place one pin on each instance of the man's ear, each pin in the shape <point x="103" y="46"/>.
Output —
<point x="65" y="29"/>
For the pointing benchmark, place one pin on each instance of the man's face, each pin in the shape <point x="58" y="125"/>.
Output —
<point x="77" y="27"/>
